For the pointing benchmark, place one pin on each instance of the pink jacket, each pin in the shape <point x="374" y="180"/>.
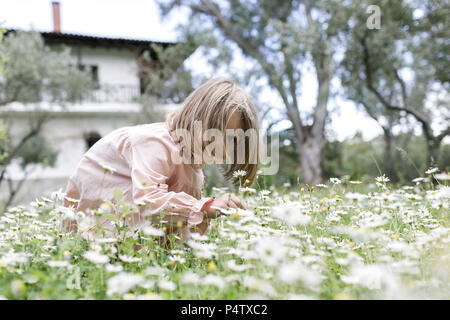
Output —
<point x="139" y="161"/>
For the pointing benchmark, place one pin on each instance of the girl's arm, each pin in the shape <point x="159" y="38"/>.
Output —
<point x="151" y="167"/>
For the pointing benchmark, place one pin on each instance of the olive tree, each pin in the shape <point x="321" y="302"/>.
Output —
<point x="279" y="37"/>
<point x="402" y="68"/>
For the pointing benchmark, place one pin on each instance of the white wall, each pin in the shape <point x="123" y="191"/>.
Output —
<point x="115" y="66"/>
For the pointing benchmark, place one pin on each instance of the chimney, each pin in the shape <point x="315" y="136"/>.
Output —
<point x="56" y="17"/>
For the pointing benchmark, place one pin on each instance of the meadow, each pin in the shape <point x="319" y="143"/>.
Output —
<point x="340" y="240"/>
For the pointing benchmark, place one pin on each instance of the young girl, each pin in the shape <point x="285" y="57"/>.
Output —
<point x="139" y="160"/>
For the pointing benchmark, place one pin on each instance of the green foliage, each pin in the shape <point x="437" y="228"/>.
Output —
<point x="3" y="141"/>
<point x="170" y="81"/>
<point x="149" y="112"/>
<point x="167" y="81"/>
<point x="445" y="157"/>
<point x="332" y="165"/>
<point x="400" y="71"/>
<point x="3" y="58"/>
<point x="215" y="178"/>
<point x="362" y="160"/>
<point x="3" y="130"/>
<point x="36" y="73"/>
<point x="36" y="150"/>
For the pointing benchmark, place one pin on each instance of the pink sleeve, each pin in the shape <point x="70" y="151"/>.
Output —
<point x="150" y="169"/>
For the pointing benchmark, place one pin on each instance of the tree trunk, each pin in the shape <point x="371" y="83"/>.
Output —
<point x="311" y="159"/>
<point x="433" y="151"/>
<point x="388" y="161"/>
<point x="311" y="148"/>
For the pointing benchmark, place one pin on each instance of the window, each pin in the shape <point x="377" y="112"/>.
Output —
<point x="91" y="138"/>
<point x="93" y="70"/>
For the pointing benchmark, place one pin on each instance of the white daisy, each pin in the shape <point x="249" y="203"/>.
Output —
<point x="96" y="257"/>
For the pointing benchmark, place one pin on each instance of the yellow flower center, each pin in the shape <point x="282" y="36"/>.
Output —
<point x="211" y="266"/>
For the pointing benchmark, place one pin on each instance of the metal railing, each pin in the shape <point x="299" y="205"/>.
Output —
<point x="114" y="93"/>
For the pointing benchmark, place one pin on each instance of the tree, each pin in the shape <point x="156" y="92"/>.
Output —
<point x="3" y="131"/>
<point x="279" y="36"/>
<point x="395" y="67"/>
<point x="388" y="120"/>
<point x="33" y="73"/>
<point x="170" y="81"/>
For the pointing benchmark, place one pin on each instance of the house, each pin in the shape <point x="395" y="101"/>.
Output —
<point x="120" y="75"/>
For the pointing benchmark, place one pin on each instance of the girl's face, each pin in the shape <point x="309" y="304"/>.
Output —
<point x="235" y="121"/>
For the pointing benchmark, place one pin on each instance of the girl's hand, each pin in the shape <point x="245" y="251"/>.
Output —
<point x="225" y="201"/>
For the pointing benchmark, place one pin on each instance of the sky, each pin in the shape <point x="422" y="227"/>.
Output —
<point x="140" y="19"/>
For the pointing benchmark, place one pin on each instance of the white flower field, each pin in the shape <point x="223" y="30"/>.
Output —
<point x="340" y="240"/>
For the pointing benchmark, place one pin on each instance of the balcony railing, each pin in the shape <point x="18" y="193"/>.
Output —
<point x="115" y="93"/>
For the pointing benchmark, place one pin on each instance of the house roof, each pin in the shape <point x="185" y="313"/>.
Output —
<point x="71" y="38"/>
<point x="91" y="40"/>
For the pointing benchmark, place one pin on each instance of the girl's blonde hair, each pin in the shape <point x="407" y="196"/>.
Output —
<point x="213" y="103"/>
